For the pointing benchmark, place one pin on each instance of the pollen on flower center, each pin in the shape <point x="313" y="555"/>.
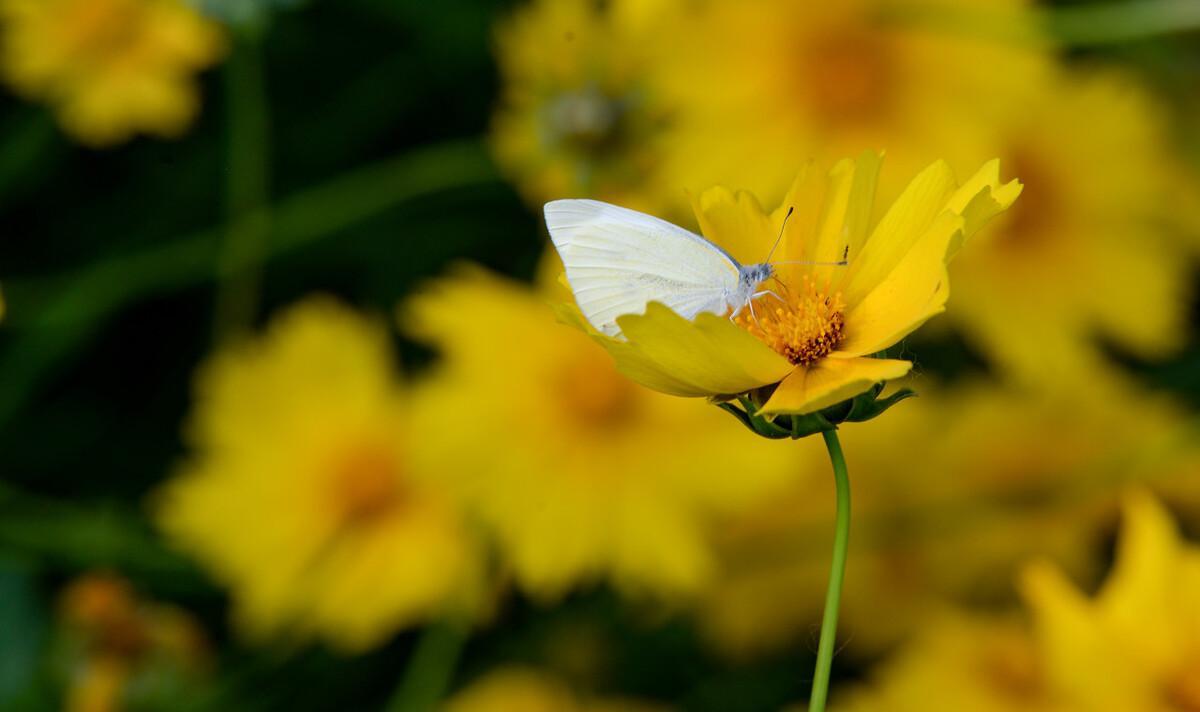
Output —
<point x="366" y="484"/>
<point x="804" y="325"/>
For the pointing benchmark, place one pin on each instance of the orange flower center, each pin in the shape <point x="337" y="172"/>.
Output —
<point x="803" y="325"/>
<point x="1033" y="218"/>
<point x="1011" y="669"/>
<point x="101" y="28"/>
<point x="1182" y="691"/>
<point x="367" y="483"/>
<point x="847" y="75"/>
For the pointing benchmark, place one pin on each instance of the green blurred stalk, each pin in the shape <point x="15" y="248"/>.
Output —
<point x="239" y="266"/>
<point x="78" y="536"/>
<point x="50" y="317"/>
<point x="1089" y="24"/>
<point x="30" y="147"/>
<point x="430" y="669"/>
<point x="1113" y="23"/>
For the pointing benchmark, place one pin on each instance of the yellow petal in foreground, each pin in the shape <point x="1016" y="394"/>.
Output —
<point x="831" y="381"/>
<point x="708" y="356"/>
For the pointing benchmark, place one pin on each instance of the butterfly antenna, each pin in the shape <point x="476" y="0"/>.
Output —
<point x="781" y="227"/>
<point x="840" y="263"/>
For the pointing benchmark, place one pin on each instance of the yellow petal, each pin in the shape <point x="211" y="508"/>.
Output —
<point x="667" y="353"/>
<point x="910" y="295"/>
<point x="980" y="199"/>
<point x="847" y="215"/>
<point x="629" y="359"/>
<point x="806" y="199"/>
<point x="1082" y="661"/>
<point x="1138" y="595"/>
<point x="830" y="381"/>
<point x="903" y="224"/>
<point x="736" y="222"/>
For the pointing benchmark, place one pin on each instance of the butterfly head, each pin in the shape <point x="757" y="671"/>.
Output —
<point x="753" y="275"/>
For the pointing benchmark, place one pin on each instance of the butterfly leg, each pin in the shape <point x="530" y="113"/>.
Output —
<point x="733" y="314"/>
<point x="766" y="292"/>
<point x="753" y="316"/>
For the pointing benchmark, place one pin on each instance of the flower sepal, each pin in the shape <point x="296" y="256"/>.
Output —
<point x="863" y="407"/>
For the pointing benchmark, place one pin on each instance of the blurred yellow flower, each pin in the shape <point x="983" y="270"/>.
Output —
<point x="958" y="664"/>
<point x="517" y="689"/>
<point x="765" y="84"/>
<point x="115" y="645"/>
<point x="575" y="117"/>
<point x="1089" y="252"/>
<point x="1136" y="644"/>
<point x="950" y="521"/>
<point x="110" y="68"/>
<point x="580" y="474"/>
<point x="307" y="492"/>
<point x="815" y="336"/>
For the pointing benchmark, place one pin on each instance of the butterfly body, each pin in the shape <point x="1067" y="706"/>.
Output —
<point x="619" y="260"/>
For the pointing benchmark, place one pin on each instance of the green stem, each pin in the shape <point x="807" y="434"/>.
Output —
<point x="837" y="572"/>
<point x="244" y="242"/>
<point x="431" y="669"/>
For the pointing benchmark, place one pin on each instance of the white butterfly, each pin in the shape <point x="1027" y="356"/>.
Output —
<point x="619" y="260"/>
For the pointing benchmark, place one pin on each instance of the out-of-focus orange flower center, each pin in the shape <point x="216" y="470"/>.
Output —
<point x="1182" y="691"/>
<point x="846" y="75"/>
<point x="105" y="607"/>
<point x="594" y="395"/>
<point x="367" y="483"/>
<point x="1033" y="217"/>
<point x="1011" y="669"/>
<point x="803" y="324"/>
<point x="100" y="29"/>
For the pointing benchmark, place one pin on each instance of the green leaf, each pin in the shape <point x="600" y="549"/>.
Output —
<point x="864" y="410"/>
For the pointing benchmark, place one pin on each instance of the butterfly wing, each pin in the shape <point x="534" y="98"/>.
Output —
<point x="619" y="260"/>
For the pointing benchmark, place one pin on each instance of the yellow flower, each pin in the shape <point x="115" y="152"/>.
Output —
<point x="1136" y="643"/>
<point x="1089" y="252"/>
<point x="580" y="474"/>
<point x="1134" y="646"/>
<point x="307" y="492"/>
<point x="765" y="84"/>
<point x="110" y="68"/>
<point x="816" y="335"/>
<point x="575" y="117"/>
<point x="950" y="521"/>
<point x="517" y="689"/>
<point x="958" y="664"/>
<point x="115" y="645"/>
